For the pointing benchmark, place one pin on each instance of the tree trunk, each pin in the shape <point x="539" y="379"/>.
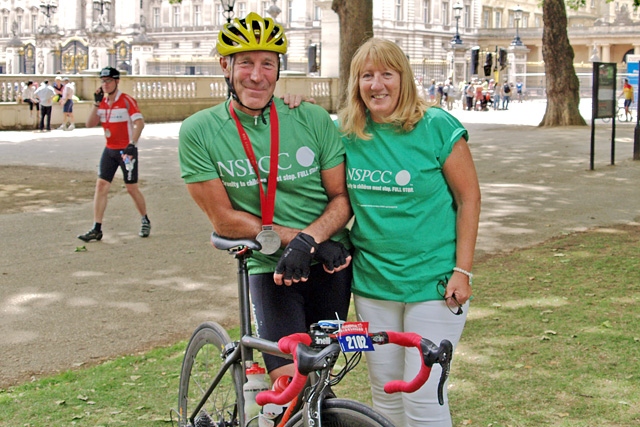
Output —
<point x="356" y="26"/>
<point x="563" y="86"/>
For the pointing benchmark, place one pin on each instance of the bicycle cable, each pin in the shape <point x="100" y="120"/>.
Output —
<point x="350" y="364"/>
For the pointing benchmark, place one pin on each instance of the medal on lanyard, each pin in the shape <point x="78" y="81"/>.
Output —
<point x="268" y="238"/>
<point x="107" y="116"/>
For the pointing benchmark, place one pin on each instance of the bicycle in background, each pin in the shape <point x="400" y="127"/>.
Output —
<point x="213" y="369"/>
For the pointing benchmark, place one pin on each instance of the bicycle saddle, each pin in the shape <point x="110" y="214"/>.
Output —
<point x="225" y="243"/>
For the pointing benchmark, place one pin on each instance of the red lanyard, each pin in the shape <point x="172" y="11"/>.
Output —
<point x="268" y="201"/>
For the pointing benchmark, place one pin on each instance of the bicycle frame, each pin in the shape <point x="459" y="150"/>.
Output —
<point x="240" y="351"/>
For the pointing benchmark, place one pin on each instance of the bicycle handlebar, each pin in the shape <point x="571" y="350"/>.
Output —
<point x="289" y="345"/>
<point x="430" y="354"/>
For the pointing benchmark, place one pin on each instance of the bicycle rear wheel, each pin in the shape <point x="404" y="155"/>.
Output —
<point x="344" y="413"/>
<point x="202" y="361"/>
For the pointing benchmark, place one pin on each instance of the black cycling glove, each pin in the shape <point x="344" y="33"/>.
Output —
<point x="98" y="95"/>
<point x="332" y="254"/>
<point x="295" y="262"/>
<point x="130" y="150"/>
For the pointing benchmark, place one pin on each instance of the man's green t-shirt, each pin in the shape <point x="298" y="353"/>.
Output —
<point x="405" y="216"/>
<point x="210" y="148"/>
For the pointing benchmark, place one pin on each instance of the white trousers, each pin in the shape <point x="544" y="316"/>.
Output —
<point x="431" y="320"/>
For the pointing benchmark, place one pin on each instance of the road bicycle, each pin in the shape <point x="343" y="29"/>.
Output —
<point x="213" y="368"/>
<point x="620" y="115"/>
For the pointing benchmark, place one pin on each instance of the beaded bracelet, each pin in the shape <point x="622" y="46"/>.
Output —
<point x="466" y="273"/>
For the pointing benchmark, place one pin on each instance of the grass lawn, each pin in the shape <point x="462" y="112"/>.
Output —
<point x="552" y="339"/>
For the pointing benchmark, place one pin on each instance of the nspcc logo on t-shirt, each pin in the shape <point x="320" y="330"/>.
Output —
<point x="239" y="172"/>
<point x="379" y="180"/>
<point x="401" y="178"/>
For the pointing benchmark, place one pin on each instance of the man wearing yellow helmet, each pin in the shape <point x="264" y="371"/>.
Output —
<point x="236" y="157"/>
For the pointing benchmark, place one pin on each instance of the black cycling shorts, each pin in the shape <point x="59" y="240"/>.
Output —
<point x="111" y="160"/>
<point x="282" y="310"/>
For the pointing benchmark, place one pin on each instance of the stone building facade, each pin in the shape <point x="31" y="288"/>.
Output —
<point x="158" y="37"/>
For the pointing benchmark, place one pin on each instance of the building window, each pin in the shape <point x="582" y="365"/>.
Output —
<point x="445" y="13"/>
<point x="466" y="21"/>
<point x="538" y="21"/>
<point x="486" y="18"/>
<point x="317" y="13"/>
<point x="155" y="17"/>
<point x="5" y="26"/>
<point x="593" y="4"/>
<point x="34" y="23"/>
<point x="426" y="11"/>
<point x="525" y="21"/>
<point x="196" y="45"/>
<point x="398" y="10"/>
<point x="242" y="9"/>
<point x="176" y="45"/>
<point x="197" y="15"/>
<point x="19" y="22"/>
<point x="176" y="16"/>
<point x="265" y="7"/>
<point x="497" y="23"/>
<point x="219" y="16"/>
<point x="290" y="11"/>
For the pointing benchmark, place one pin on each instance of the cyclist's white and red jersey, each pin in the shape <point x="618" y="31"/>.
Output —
<point x="117" y="120"/>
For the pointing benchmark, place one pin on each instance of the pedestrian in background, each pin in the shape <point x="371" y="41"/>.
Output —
<point x="506" y="94"/>
<point x="28" y="96"/>
<point x="57" y="88"/>
<point x="67" y="105"/>
<point x="44" y="94"/>
<point x="122" y="123"/>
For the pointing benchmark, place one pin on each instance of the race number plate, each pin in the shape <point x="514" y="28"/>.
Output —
<point x="354" y="336"/>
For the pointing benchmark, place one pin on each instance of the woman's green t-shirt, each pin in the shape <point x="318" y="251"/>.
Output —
<point x="404" y="232"/>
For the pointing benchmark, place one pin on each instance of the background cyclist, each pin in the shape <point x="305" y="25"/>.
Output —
<point x="627" y="94"/>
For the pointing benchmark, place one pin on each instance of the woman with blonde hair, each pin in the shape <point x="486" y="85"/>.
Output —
<point x="416" y="200"/>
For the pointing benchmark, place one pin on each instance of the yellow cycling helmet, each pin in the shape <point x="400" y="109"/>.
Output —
<point x="251" y="33"/>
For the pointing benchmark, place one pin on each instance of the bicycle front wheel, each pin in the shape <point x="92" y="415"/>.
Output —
<point x="202" y="361"/>
<point x="344" y="413"/>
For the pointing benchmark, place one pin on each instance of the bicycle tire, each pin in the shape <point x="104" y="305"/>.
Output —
<point x="622" y="116"/>
<point x="344" y="413"/>
<point x="202" y="361"/>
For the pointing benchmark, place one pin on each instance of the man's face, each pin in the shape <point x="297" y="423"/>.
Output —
<point x="109" y="85"/>
<point x="254" y="77"/>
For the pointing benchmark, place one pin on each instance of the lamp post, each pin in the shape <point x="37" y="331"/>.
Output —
<point x="517" y="12"/>
<point x="102" y="7"/>
<point x="457" y="10"/>
<point x="48" y="8"/>
<point x="227" y="9"/>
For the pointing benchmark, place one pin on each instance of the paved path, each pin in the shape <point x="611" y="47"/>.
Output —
<point x="60" y="308"/>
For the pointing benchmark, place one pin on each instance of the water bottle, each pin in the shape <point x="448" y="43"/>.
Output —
<point x="128" y="164"/>
<point x="254" y="385"/>
<point x="270" y="413"/>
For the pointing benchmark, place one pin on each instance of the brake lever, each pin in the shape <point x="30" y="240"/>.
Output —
<point x="441" y="355"/>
